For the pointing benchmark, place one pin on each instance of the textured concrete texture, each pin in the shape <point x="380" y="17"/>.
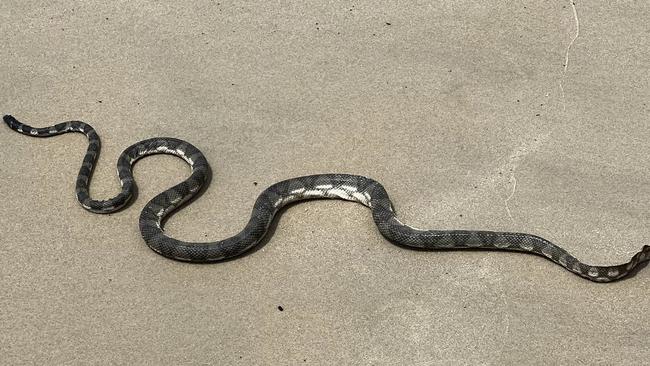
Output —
<point x="524" y="116"/>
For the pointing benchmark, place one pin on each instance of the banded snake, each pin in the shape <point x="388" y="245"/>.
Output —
<point x="337" y="186"/>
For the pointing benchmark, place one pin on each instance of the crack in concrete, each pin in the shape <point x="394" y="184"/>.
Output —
<point x="513" y="161"/>
<point x="514" y="188"/>
<point x="496" y="177"/>
<point x="568" y="49"/>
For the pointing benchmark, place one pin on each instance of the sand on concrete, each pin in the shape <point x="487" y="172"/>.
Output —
<point x="521" y="116"/>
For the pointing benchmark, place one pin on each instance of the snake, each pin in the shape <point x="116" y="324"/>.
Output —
<point x="356" y="188"/>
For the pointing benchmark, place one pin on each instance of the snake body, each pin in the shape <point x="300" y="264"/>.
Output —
<point x="354" y="188"/>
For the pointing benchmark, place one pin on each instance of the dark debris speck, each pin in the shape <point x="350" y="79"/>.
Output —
<point x="280" y="308"/>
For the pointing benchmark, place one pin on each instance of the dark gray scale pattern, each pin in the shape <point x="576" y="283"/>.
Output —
<point x="337" y="186"/>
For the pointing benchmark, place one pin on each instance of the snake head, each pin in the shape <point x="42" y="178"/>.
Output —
<point x="10" y="120"/>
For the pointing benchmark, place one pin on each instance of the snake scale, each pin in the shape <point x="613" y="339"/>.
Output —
<point x="338" y="186"/>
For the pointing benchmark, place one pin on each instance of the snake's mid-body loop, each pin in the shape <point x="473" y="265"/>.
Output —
<point x="340" y="186"/>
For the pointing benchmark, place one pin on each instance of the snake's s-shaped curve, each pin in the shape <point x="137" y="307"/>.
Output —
<point x="340" y="186"/>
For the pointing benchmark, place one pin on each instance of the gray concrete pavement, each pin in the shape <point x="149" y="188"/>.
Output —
<point x="467" y="112"/>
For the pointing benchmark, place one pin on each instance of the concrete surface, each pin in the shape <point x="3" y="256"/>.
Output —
<point x="467" y="112"/>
